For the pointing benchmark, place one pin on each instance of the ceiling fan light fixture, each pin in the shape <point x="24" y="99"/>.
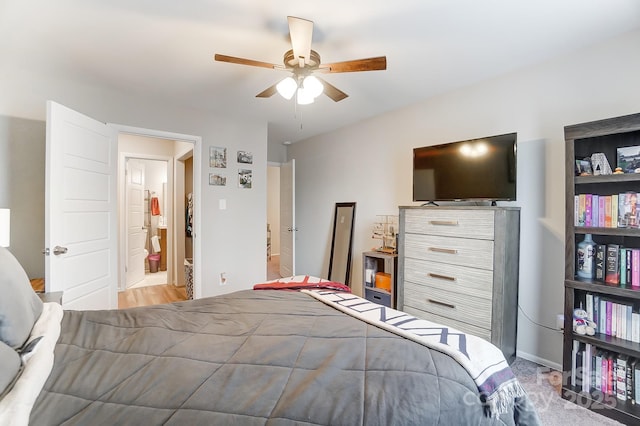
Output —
<point x="313" y="86"/>
<point x="287" y="88"/>
<point x="304" y="97"/>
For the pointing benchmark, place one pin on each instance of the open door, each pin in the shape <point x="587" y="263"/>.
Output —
<point x="137" y="232"/>
<point x="80" y="209"/>
<point x="287" y="219"/>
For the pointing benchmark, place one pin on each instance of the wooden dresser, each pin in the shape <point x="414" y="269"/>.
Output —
<point x="458" y="266"/>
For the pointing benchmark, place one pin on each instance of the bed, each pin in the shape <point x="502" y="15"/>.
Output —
<point x="252" y="357"/>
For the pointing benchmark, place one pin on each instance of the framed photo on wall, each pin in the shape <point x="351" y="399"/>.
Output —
<point x="217" y="157"/>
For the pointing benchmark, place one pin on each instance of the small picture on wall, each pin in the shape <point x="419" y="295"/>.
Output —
<point x="244" y="178"/>
<point x="245" y="157"/>
<point x="217" y="157"/>
<point x="217" y="179"/>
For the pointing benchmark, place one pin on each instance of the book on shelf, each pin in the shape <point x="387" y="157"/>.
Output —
<point x="621" y="377"/>
<point x="612" y="264"/>
<point x="635" y="267"/>
<point x="623" y="267"/>
<point x="630" y="380"/>
<point x="607" y="211"/>
<point x="600" y="256"/>
<point x="588" y="210"/>
<point x="614" y="210"/>
<point x="595" y="211"/>
<point x="613" y="317"/>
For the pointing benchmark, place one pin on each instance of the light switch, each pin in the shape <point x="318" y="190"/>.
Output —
<point x="222" y="204"/>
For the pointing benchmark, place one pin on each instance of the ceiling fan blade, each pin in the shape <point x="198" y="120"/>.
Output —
<point x="370" y="64"/>
<point x="332" y="91"/>
<point x="301" y="32"/>
<point x="268" y="92"/>
<point x="242" y="61"/>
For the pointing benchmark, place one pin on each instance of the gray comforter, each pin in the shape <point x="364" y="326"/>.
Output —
<point x="252" y="358"/>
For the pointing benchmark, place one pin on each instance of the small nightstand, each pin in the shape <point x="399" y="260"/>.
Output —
<point x="55" y="296"/>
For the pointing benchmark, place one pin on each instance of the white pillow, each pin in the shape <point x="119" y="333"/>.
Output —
<point x="20" y="306"/>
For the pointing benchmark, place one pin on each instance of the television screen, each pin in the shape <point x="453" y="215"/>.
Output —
<point x="477" y="169"/>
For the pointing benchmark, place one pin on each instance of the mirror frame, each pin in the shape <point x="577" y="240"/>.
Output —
<point x="347" y="278"/>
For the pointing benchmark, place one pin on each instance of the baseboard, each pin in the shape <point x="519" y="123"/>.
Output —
<point x="538" y="360"/>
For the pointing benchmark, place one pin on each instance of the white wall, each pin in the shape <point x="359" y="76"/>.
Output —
<point x="231" y="239"/>
<point x="22" y="149"/>
<point x="598" y="82"/>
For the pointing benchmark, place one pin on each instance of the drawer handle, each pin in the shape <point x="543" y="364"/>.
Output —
<point x="444" y="222"/>
<point x="435" y="302"/>
<point x="442" y="277"/>
<point x="443" y="250"/>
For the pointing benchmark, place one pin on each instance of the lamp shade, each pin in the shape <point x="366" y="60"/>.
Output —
<point x="304" y="96"/>
<point x="312" y="85"/>
<point x="287" y="87"/>
<point x="5" y="227"/>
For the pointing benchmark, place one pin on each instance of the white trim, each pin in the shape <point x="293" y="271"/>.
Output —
<point x="538" y="360"/>
<point x="197" y="189"/>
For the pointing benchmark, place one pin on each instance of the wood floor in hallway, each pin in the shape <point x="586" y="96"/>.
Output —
<point x="168" y="293"/>
<point x="151" y="295"/>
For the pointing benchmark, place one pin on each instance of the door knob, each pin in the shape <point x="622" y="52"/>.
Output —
<point x="57" y="250"/>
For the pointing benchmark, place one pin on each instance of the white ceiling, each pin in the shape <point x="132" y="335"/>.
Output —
<point x="163" y="49"/>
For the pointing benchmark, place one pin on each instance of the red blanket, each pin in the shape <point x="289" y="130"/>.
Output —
<point x="300" y="282"/>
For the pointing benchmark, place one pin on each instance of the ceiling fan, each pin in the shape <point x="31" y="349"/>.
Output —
<point x="303" y="63"/>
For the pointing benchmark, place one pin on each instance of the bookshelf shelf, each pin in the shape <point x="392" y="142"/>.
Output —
<point x="602" y="288"/>
<point x="583" y="140"/>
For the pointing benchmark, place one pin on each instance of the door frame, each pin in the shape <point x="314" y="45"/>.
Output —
<point x="197" y="190"/>
<point x="122" y="199"/>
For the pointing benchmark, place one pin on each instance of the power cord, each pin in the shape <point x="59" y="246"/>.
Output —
<point x="535" y="322"/>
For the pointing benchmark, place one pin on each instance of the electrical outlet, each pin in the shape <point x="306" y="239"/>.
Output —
<point x="560" y="322"/>
<point x="223" y="278"/>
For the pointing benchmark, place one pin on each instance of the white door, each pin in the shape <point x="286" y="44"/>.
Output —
<point x="80" y="209"/>
<point x="136" y="231"/>
<point x="287" y="219"/>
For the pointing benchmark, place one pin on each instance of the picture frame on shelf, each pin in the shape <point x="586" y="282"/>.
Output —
<point x="583" y="168"/>
<point x="628" y="159"/>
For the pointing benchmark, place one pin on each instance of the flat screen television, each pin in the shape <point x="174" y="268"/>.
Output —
<point x="481" y="169"/>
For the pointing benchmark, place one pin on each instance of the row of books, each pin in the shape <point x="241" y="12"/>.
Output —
<point x="617" y="265"/>
<point x="613" y="318"/>
<point x="608" y="372"/>
<point x="607" y="211"/>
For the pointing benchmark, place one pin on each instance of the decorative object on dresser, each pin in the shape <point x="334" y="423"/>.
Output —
<point x="385" y="229"/>
<point x="379" y="282"/>
<point x="599" y="371"/>
<point x="458" y="265"/>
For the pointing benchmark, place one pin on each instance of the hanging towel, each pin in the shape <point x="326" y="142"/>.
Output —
<point x="155" y="206"/>
<point x="155" y="243"/>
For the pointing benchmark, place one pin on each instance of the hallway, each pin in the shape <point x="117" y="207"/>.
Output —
<point x="273" y="268"/>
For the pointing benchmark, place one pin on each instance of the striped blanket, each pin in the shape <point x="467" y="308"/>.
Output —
<point x="485" y="363"/>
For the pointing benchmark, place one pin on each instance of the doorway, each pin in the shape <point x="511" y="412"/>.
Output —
<point x="147" y="213"/>
<point x="165" y="184"/>
<point x="273" y="221"/>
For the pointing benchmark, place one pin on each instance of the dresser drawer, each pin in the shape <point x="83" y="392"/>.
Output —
<point x="451" y="250"/>
<point x="460" y="326"/>
<point x="452" y="223"/>
<point x="457" y="279"/>
<point x="464" y="308"/>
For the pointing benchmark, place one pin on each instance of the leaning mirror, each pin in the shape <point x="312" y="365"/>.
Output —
<point x="341" y="242"/>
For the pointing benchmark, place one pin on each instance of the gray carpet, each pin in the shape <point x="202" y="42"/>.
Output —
<point x="552" y="409"/>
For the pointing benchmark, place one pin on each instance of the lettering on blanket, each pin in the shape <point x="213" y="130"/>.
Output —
<point x="401" y="320"/>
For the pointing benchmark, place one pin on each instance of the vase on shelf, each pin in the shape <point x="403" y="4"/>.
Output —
<point x="585" y="265"/>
